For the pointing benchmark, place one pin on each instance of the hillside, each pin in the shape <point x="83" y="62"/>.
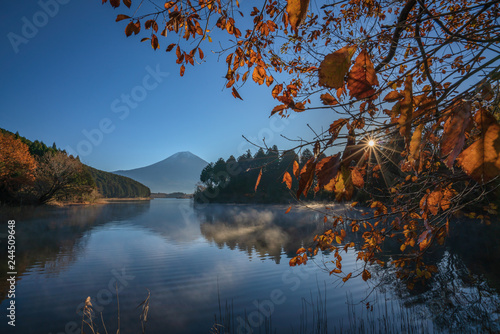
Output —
<point x="111" y="185"/>
<point x="177" y="173"/>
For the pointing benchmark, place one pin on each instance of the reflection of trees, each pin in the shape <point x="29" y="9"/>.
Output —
<point x="51" y="238"/>
<point x="265" y="229"/>
<point x="463" y="295"/>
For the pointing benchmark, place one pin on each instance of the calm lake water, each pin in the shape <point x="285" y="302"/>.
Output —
<point x="227" y="261"/>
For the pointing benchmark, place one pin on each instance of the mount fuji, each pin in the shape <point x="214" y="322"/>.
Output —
<point x="177" y="173"/>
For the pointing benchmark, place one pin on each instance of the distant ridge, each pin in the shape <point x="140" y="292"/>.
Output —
<point x="178" y="173"/>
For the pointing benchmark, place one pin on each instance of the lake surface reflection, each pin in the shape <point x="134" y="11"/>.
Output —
<point x="189" y="259"/>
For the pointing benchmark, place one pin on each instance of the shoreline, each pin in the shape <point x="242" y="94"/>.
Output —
<point x="99" y="201"/>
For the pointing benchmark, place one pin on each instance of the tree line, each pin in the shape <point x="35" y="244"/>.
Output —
<point x="33" y="173"/>
<point x="233" y="180"/>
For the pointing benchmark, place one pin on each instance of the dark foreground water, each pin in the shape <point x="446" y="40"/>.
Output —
<point x="228" y="261"/>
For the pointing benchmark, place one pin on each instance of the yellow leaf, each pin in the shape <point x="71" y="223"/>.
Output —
<point x="297" y="11"/>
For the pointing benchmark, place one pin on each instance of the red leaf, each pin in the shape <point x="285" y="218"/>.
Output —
<point x="121" y="17"/>
<point x="453" y="138"/>
<point x="154" y="42"/>
<point x="182" y="70"/>
<point x="115" y="3"/>
<point x="362" y="77"/>
<point x="306" y="177"/>
<point x="327" y="170"/>
<point x="127" y="3"/>
<point x="236" y="94"/>
<point x="129" y="29"/>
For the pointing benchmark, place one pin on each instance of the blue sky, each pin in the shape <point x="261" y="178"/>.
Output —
<point x="77" y="80"/>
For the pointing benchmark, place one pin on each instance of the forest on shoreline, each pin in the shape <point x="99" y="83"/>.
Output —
<point x="33" y="173"/>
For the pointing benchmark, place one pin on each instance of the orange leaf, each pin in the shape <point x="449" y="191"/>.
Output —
<point x="481" y="160"/>
<point x="236" y="94"/>
<point x="306" y="177"/>
<point x="301" y="250"/>
<point x="278" y="108"/>
<point x="287" y="178"/>
<point x="393" y="96"/>
<point x="127" y="3"/>
<point x="362" y="77"/>
<point x="269" y="81"/>
<point x="328" y="99"/>
<point x="335" y="66"/>
<point x="296" y="169"/>
<point x="288" y="210"/>
<point x="434" y="201"/>
<point x="453" y="138"/>
<point x="336" y="271"/>
<point x="416" y="139"/>
<point x="182" y="70"/>
<point x="347" y="277"/>
<point x="297" y="11"/>
<point x="357" y="178"/>
<point x="366" y="275"/>
<point x="277" y="90"/>
<point x="258" y="179"/>
<point x="259" y="75"/>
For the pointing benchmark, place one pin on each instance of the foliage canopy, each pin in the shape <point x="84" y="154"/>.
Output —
<point x="419" y="78"/>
